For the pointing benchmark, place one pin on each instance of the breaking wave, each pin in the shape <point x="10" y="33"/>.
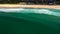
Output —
<point x="40" y="11"/>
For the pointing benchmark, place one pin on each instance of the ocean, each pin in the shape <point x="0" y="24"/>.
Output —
<point x="29" y="21"/>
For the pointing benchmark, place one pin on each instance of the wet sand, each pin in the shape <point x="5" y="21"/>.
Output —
<point x="29" y="6"/>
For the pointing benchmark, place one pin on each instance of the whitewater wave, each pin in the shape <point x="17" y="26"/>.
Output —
<point x="46" y="11"/>
<point x="40" y="11"/>
<point x="11" y="9"/>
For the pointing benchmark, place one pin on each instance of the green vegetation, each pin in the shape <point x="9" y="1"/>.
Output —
<point x="28" y="1"/>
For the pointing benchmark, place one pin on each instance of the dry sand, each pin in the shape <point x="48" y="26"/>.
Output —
<point x="29" y="6"/>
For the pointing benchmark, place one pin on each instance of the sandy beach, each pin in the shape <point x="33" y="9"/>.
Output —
<point x="29" y="6"/>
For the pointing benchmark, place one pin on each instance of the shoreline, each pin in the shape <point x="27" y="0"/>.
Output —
<point x="29" y="6"/>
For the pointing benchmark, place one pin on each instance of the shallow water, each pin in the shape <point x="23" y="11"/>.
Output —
<point x="29" y="21"/>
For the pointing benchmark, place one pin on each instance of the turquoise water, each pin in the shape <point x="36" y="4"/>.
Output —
<point x="29" y="21"/>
